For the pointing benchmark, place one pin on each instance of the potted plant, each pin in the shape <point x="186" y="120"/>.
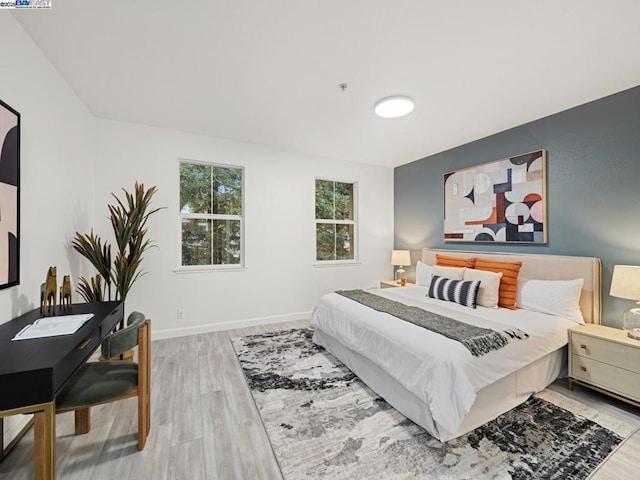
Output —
<point x="128" y="220"/>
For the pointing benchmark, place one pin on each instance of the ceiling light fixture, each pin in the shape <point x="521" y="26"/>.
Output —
<point x="394" y="107"/>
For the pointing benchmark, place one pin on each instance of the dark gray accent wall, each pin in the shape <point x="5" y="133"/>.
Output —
<point x="593" y="187"/>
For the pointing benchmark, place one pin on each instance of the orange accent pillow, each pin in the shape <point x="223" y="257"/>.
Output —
<point x="508" y="290"/>
<point x="445" y="261"/>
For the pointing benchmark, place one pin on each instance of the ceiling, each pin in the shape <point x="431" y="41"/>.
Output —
<point x="267" y="71"/>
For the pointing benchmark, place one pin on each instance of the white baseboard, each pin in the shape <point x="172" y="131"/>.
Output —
<point x="217" y="327"/>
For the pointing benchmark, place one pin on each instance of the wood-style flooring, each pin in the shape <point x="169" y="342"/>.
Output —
<point x="204" y="423"/>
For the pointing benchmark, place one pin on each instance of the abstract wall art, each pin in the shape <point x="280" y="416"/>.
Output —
<point x="9" y="196"/>
<point x="502" y="201"/>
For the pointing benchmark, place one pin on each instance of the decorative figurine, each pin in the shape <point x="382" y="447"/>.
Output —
<point x="48" y="291"/>
<point x="65" y="293"/>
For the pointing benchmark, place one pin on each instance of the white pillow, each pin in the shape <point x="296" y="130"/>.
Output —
<point x="452" y="273"/>
<point x="554" y="297"/>
<point x="423" y="274"/>
<point x="489" y="286"/>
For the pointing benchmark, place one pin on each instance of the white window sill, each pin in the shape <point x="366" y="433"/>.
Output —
<point x="210" y="269"/>
<point x="345" y="263"/>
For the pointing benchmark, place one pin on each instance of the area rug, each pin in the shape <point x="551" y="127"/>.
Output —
<point x="324" y="423"/>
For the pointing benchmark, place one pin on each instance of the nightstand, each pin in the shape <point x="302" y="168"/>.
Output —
<point x="393" y="283"/>
<point x="605" y="359"/>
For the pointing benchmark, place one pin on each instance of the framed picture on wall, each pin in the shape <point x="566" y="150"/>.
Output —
<point x="503" y="201"/>
<point x="9" y="196"/>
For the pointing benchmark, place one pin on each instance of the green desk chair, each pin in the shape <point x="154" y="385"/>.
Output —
<point x="101" y="382"/>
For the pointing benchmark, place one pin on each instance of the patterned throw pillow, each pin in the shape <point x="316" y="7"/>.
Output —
<point x="446" y="261"/>
<point x="458" y="291"/>
<point x="508" y="291"/>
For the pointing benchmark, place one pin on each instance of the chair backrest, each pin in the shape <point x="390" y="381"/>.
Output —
<point x="120" y="341"/>
<point x="135" y="317"/>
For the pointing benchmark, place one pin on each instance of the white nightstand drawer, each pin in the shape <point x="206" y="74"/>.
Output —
<point x="606" y="351"/>
<point x="617" y="380"/>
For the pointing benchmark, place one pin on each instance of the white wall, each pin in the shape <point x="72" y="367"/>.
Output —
<point x="280" y="281"/>
<point x="57" y="165"/>
<point x="71" y="162"/>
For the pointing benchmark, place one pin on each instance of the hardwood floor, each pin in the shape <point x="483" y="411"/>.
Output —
<point x="204" y="422"/>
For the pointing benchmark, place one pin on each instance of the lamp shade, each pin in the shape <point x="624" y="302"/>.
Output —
<point x="401" y="257"/>
<point x="625" y="282"/>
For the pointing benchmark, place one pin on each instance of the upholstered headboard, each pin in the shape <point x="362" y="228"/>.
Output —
<point x="546" y="267"/>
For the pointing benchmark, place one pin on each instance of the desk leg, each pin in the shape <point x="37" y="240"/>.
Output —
<point x="5" y="449"/>
<point x="45" y="443"/>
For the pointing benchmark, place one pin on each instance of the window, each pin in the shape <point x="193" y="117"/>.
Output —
<point x="335" y="220"/>
<point x="211" y="204"/>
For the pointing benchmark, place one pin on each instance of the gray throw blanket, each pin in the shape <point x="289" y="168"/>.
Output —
<point x="478" y="340"/>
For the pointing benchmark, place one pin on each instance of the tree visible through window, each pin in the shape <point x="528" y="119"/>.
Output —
<point x="210" y="214"/>
<point x="335" y="220"/>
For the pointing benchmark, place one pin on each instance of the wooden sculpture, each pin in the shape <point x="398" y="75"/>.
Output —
<point x="65" y="292"/>
<point x="48" y="291"/>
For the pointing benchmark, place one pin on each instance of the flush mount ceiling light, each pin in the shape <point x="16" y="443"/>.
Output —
<point x="394" y="107"/>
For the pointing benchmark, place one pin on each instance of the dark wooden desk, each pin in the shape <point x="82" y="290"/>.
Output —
<point x="32" y="372"/>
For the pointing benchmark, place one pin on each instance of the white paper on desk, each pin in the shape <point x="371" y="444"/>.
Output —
<point x="53" y="326"/>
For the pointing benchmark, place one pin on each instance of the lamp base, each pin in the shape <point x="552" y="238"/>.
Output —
<point x="631" y="322"/>
<point x="635" y="333"/>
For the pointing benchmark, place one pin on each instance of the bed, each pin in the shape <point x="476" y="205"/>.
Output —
<point x="435" y="381"/>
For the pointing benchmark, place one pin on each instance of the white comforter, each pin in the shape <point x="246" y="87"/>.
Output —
<point x="440" y="371"/>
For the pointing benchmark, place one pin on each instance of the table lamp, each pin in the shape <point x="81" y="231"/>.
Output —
<point x="401" y="258"/>
<point x="625" y="283"/>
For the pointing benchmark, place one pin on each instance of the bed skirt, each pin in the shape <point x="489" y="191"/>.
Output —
<point x="491" y="401"/>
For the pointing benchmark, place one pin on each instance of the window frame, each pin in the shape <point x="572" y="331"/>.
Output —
<point x="355" y="222"/>
<point x="212" y="216"/>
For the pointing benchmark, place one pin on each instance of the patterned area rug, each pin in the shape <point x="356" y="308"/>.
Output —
<point x="323" y="422"/>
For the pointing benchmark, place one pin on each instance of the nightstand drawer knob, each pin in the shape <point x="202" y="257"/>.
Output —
<point x="584" y="369"/>
<point x="583" y="346"/>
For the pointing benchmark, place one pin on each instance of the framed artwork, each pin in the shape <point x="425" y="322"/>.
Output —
<point x="503" y="201"/>
<point x="9" y="196"/>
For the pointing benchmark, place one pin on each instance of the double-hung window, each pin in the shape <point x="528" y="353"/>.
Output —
<point x="211" y="214"/>
<point x="336" y="227"/>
